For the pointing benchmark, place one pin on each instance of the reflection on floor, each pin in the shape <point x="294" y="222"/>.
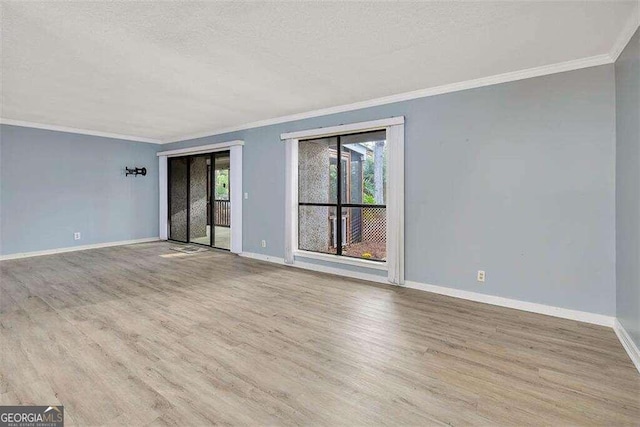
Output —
<point x="220" y="339"/>
<point x="222" y="238"/>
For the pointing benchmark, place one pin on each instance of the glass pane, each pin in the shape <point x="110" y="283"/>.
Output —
<point x="317" y="171"/>
<point x="199" y="229"/>
<point x="178" y="199"/>
<point x="316" y="229"/>
<point x="222" y="202"/>
<point x="222" y="177"/>
<point x="365" y="172"/>
<point x="365" y="233"/>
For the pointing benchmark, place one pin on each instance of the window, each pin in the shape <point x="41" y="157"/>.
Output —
<point x="342" y="185"/>
<point x="345" y="197"/>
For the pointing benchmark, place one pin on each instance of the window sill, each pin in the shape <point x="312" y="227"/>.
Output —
<point x="375" y="265"/>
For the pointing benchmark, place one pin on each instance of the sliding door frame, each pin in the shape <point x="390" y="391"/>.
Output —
<point x="235" y="175"/>
<point x="211" y="188"/>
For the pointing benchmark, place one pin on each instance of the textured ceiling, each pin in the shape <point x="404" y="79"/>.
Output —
<point x="165" y="69"/>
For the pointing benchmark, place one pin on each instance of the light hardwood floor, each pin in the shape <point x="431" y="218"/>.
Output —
<point x="125" y="336"/>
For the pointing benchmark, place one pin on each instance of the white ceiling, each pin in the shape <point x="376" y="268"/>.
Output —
<point x="164" y="70"/>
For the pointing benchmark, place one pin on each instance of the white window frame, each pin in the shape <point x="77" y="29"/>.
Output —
<point x="291" y="211"/>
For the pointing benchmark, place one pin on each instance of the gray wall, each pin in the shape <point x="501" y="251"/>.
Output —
<point x="55" y="183"/>
<point x="516" y="179"/>
<point x="627" y="72"/>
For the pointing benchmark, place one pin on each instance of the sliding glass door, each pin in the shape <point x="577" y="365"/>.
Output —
<point x="178" y="198"/>
<point x="199" y="199"/>
<point x="222" y="201"/>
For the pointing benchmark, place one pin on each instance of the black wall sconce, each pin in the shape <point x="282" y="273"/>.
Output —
<point x="135" y="171"/>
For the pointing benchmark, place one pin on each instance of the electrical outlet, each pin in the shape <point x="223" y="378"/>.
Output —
<point x="76" y="235"/>
<point x="480" y="276"/>
<point x="264" y="243"/>
<point x="246" y="196"/>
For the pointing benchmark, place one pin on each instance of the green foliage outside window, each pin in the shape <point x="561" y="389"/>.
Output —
<point x="222" y="185"/>
<point x="368" y="177"/>
<point x="368" y="185"/>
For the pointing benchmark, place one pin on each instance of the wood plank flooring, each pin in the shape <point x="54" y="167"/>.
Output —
<point x="127" y="336"/>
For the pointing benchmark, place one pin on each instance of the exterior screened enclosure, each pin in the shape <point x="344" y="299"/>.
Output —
<point x="342" y="184"/>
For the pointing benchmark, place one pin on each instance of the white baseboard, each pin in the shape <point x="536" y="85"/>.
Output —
<point x="630" y="347"/>
<point x="341" y="272"/>
<point x="598" y="319"/>
<point x="549" y="310"/>
<point x="261" y="257"/>
<point x="318" y="267"/>
<point x="76" y="248"/>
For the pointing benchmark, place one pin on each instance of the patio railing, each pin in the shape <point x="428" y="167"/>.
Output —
<point x="222" y="213"/>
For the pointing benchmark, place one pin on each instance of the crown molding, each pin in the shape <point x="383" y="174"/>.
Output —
<point x="593" y="61"/>
<point x="627" y="32"/>
<point x="57" y="128"/>
<point x="560" y="67"/>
